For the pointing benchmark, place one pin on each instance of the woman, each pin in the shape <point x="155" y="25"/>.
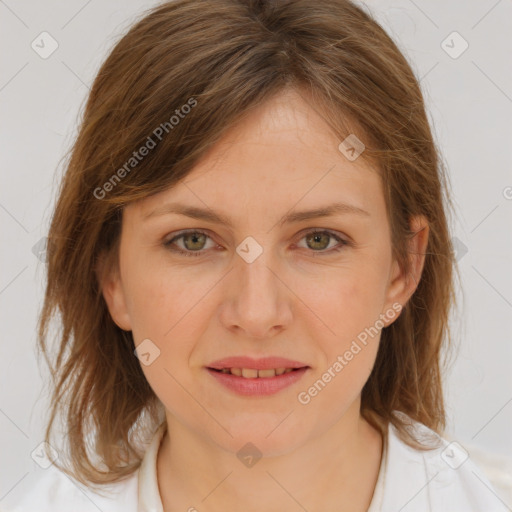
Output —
<point x="252" y="264"/>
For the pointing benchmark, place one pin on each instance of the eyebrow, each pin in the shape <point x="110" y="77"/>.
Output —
<point x="293" y="217"/>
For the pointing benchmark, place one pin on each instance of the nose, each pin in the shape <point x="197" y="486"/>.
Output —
<point x="257" y="303"/>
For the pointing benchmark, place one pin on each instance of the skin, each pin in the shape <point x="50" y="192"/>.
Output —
<point x="299" y="299"/>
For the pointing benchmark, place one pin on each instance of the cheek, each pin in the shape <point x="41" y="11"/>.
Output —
<point x="350" y="307"/>
<point x="167" y="306"/>
<point x="158" y="296"/>
<point x="348" y="299"/>
<point x="167" y="309"/>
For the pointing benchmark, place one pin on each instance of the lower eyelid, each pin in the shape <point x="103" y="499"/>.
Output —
<point x="169" y="243"/>
<point x="172" y="242"/>
<point x="340" y="241"/>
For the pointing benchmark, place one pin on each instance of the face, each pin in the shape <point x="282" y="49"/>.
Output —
<point x="267" y="283"/>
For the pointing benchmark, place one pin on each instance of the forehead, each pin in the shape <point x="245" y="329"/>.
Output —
<point x="280" y="154"/>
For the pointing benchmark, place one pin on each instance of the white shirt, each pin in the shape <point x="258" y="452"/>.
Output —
<point x="410" y="480"/>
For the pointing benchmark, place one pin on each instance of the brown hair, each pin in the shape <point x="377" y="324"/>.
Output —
<point x="223" y="58"/>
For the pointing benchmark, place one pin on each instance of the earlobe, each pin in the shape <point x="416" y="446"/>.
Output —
<point x="402" y="286"/>
<point x="113" y="293"/>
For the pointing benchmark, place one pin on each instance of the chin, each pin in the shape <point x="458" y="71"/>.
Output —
<point x="271" y="437"/>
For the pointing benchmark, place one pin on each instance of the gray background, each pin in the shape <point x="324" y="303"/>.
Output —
<point x="470" y="104"/>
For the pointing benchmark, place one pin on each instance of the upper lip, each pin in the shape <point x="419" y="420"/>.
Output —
<point x="265" y="363"/>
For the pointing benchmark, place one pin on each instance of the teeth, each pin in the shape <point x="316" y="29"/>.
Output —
<point x="267" y="373"/>
<point x="251" y="373"/>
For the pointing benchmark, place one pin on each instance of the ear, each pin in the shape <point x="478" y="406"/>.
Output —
<point x="401" y="286"/>
<point x="111" y="287"/>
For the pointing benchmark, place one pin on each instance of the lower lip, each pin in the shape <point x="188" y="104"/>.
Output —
<point x="259" y="386"/>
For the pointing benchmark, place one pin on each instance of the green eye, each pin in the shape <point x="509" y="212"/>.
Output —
<point x="319" y="240"/>
<point x="194" y="242"/>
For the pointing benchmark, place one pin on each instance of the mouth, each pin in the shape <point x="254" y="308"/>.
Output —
<point x="257" y="377"/>
<point x="253" y="373"/>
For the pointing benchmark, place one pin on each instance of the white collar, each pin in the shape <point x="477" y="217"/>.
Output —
<point x="149" y="494"/>
<point x="409" y="479"/>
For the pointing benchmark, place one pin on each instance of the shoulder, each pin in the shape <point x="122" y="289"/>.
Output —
<point x="439" y="479"/>
<point x="52" y="490"/>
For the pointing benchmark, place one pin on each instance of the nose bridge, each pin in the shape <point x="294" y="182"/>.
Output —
<point x="256" y="277"/>
<point x="259" y="302"/>
<point x="258" y="285"/>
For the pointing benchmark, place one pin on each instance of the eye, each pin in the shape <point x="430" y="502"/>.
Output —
<point x="193" y="242"/>
<point x="319" y="241"/>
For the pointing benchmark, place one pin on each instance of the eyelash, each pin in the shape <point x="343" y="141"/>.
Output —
<point x="168" y="244"/>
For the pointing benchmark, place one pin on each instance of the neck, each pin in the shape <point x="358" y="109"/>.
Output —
<point x="336" y="470"/>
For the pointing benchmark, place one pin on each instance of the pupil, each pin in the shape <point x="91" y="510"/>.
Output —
<point x="195" y="237"/>
<point x="316" y="238"/>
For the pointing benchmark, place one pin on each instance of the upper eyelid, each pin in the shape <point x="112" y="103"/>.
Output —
<point x="301" y="235"/>
<point x="179" y="234"/>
